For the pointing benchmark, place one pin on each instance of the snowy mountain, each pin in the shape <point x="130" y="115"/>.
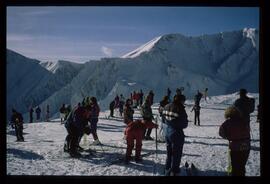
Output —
<point x="42" y="152"/>
<point x="222" y="62"/>
<point x="29" y="83"/>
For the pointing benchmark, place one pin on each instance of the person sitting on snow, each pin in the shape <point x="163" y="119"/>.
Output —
<point x="135" y="131"/>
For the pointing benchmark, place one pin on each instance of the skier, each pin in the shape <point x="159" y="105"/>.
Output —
<point x="245" y="105"/>
<point x="176" y="120"/>
<point x="196" y="109"/>
<point x="147" y="115"/>
<point x="121" y="104"/>
<point x="134" y="131"/>
<point x="237" y="131"/>
<point x="180" y="92"/>
<point x="197" y="97"/>
<point x="112" y="105"/>
<point x="67" y="111"/>
<point x="116" y="102"/>
<point x="17" y="122"/>
<point x="128" y="112"/>
<point x="31" y="114"/>
<point x="151" y="97"/>
<point x="48" y="113"/>
<point x="62" y="112"/>
<point x="162" y="104"/>
<point x="94" y="108"/>
<point x="38" y="111"/>
<point x="134" y="99"/>
<point x="75" y="125"/>
<point x="205" y="94"/>
<point x="141" y="97"/>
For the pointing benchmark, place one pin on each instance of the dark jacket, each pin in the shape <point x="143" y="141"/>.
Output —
<point x="76" y="120"/>
<point x="17" y="119"/>
<point x="246" y="106"/>
<point x="237" y="132"/>
<point x="146" y="110"/>
<point x="175" y="117"/>
<point x="128" y="114"/>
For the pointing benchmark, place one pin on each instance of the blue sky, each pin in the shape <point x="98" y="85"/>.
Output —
<point x="82" y="33"/>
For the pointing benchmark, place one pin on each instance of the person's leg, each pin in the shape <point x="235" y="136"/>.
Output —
<point x="239" y="159"/>
<point x="177" y="148"/>
<point x="195" y="118"/>
<point x="168" y="163"/>
<point x="94" y="128"/>
<point x="139" y="137"/>
<point x="17" y="132"/>
<point x="199" y="118"/>
<point x="149" y="130"/>
<point x="130" y="145"/>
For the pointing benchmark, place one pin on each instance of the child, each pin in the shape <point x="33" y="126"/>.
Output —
<point x="135" y="131"/>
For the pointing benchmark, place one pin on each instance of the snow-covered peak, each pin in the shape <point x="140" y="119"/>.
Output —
<point x="250" y="33"/>
<point x="144" y="48"/>
<point x="50" y="66"/>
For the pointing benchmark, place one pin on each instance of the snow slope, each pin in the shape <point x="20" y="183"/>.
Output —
<point x="42" y="153"/>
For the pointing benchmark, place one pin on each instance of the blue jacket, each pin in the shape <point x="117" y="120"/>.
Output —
<point x="175" y="117"/>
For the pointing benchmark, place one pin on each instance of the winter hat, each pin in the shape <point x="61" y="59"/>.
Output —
<point x="231" y="112"/>
<point x="93" y="100"/>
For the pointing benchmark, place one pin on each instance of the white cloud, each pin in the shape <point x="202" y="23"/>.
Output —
<point x="107" y="51"/>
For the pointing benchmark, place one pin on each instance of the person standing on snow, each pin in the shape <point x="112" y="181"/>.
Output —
<point x="205" y="94"/>
<point x="94" y="108"/>
<point x="128" y="112"/>
<point x="47" y="113"/>
<point x="38" y="112"/>
<point x="237" y="132"/>
<point x="151" y="97"/>
<point x="147" y="116"/>
<point x="135" y="131"/>
<point x="245" y="105"/>
<point x="112" y="105"/>
<point x="75" y="124"/>
<point x="31" y="114"/>
<point x="196" y="109"/>
<point x="17" y="122"/>
<point x="141" y="97"/>
<point x="62" y="112"/>
<point x="169" y="94"/>
<point x="176" y="120"/>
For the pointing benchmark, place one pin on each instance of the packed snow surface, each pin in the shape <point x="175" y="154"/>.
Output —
<point x="42" y="152"/>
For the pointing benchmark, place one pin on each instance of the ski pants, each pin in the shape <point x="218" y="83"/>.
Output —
<point x="174" y="145"/>
<point x="111" y="112"/>
<point x="19" y="132"/>
<point x="238" y="162"/>
<point x="197" y="117"/>
<point x="131" y="137"/>
<point x="93" y="124"/>
<point x="72" y="139"/>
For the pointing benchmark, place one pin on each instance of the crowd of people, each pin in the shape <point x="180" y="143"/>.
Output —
<point x="83" y="119"/>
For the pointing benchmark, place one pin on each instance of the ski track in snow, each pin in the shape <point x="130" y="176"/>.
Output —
<point x="42" y="153"/>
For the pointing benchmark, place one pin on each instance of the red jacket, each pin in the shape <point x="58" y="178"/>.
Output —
<point x="139" y="126"/>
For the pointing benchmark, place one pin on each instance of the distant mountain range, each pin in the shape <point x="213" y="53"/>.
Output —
<point x="222" y="62"/>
